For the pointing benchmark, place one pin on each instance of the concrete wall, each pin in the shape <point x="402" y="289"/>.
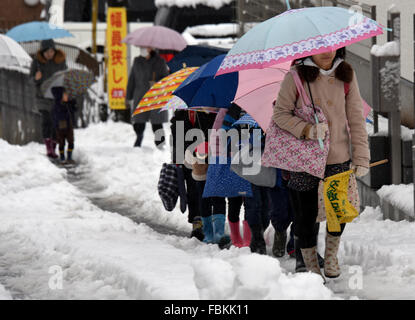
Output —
<point x="407" y="10"/>
<point x="19" y="123"/>
<point x="362" y="69"/>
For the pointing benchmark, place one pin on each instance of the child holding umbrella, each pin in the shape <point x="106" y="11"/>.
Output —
<point x="331" y="84"/>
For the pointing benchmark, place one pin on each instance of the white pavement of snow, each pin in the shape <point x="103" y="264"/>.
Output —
<point x="56" y="244"/>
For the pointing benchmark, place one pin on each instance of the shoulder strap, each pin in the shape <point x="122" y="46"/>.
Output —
<point x="346" y="88"/>
<point x="300" y="88"/>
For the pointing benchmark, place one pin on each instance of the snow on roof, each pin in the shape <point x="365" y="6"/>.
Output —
<point x="217" y="4"/>
<point x="391" y="48"/>
<point x="214" y="30"/>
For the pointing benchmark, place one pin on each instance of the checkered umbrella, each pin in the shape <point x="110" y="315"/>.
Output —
<point x="76" y="82"/>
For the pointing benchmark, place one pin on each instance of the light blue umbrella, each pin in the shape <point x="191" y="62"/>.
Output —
<point x="298" y="33"/>
<point x="246" y="119"/>
<point x="37" y="30"/>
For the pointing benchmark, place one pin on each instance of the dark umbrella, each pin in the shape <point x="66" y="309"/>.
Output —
<point x="194" y="56"/>
<point x="76" y="82"/>
<point x="203" y="89"/>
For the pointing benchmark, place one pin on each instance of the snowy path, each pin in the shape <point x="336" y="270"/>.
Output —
<point x="94" y="228"/>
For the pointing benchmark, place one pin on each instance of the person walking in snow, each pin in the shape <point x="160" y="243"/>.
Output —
<point x="147" y="70"/>
<point x="63" y="116"/>
<point x="47" y="61"/>
<point x="224" y="120"/>
<point x="326" y="77"/>
<point x="212" y="209"/>
<point x="189" y="120"/>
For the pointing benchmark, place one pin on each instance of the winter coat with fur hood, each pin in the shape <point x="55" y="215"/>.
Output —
<point x="47" y="68"/>
<point x="340" y="110"/>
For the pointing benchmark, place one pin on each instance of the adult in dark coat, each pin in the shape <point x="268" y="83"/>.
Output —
<point x="144" y="73"/>
<point x="47" y="61"/>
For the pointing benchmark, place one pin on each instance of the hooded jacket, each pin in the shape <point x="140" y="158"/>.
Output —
<point x="47" y="68"/>
<point x="341" y="111"/>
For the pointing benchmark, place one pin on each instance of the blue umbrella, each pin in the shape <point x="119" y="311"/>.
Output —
<point x="37" y="30"/>
<point x="246" y="119"/>
<point x="194" y="56"/>
<point x="203" y="89"/>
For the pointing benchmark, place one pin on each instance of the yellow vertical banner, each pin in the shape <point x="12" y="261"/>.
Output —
<point x="117" y="57"/>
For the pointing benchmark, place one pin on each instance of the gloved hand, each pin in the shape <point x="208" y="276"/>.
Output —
<point x="189" y="158"/>
<point x="359" y="171"/>
<point x="317" y="131"/>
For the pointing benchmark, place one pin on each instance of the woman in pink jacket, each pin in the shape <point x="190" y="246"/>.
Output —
<point x="335" y="90"/>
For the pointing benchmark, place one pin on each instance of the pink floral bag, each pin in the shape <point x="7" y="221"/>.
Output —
<point x="283" y="150"/>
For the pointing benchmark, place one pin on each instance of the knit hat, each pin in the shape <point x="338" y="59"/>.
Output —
<point x="47" y="44"/>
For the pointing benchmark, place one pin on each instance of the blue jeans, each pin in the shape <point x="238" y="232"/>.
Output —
<point x="257" y="207"/>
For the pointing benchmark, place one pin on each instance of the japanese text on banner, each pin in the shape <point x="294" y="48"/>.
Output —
<point x="117" y="57"/>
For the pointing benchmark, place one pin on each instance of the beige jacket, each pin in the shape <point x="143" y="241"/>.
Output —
<point x="328" y="93"/>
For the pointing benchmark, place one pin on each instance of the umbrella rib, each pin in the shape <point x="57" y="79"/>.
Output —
<point x="257" y="88"/>
<point x="317" y="28"/>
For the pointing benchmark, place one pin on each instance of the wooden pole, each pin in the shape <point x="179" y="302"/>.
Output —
<point x="377" y="163"/>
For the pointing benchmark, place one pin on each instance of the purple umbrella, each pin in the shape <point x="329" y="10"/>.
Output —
<point x="157" y="37"/>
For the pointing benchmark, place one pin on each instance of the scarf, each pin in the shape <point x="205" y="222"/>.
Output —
<point x="310" y="62"/>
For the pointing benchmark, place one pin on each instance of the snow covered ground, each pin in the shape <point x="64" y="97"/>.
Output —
<point x="56" y="241"/>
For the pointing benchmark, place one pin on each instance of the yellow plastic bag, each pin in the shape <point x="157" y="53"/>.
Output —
<point x="338" y="208"/>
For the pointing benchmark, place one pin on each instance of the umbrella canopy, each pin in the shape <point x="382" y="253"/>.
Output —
<point x="37" y="30"/>
<point x="298" y="33"/>
<point x="12" y="54"/>
<point x="157" y="37"/>
<point x="258" y="89"/>
<point x="194" y="56"/>
<point x="246" y="119"/>
<point x="161" y="92"/>
<point x="203" y="89"/>
<point x="175" y="103"/>
<point x="76" y="82"/>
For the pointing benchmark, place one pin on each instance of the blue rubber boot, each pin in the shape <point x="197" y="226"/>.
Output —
<point x="207" y="229"/>
<point x="218" y="227"/>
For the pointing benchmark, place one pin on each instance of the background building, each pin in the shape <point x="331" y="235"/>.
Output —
<point x="15" y="12"/>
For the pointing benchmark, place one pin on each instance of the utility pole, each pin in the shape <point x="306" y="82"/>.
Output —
<point x="94" y="27"/>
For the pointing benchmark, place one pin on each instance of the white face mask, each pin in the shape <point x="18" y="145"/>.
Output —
<point x="143" y="52"/>
<point x="310" y="62"/>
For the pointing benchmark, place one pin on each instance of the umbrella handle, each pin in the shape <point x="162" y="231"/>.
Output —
<point x="320" y="141"/>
